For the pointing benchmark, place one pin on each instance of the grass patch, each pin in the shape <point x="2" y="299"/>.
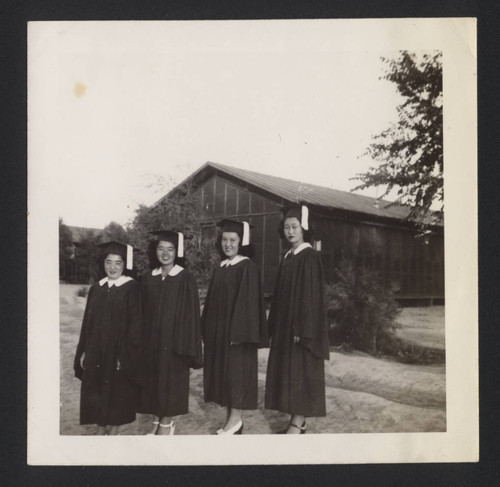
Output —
<point x="409" y="352"/>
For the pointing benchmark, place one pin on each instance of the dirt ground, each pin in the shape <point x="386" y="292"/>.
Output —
<point x="364" y="394"/>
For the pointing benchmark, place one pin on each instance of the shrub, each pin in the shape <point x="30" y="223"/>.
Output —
<point x="409" y="352"/>
<point x="180" y="210"/>
<point x="82" y="292"/>
<point x="361" y="309"/>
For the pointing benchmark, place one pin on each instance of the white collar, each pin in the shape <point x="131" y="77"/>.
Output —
<point x="115" y="282"/>
<point x="177" y="269"/>
<point x="233" y="261"/>
<point x="301" y="247"/>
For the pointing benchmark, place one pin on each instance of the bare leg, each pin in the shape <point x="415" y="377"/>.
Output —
<point x="101" y="431"/>
<point x="154" y="426"/>
<point x="113" y="430"/>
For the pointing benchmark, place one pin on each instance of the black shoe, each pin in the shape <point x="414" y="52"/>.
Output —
<point x="301" y="428"/>
<point x="284" y="430"/>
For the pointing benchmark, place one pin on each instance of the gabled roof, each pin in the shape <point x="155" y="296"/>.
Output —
<point x="294" y="191"/>
<point x="78" y="233"/>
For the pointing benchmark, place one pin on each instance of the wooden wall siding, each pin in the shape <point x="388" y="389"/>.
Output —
<point x="220" y="198"/>
<point x="231" y="200"/>
<point x="414" y="269"/>
<point x="272" y="254"/>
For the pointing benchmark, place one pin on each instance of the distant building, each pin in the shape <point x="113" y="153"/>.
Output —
<point x="346" y="226"/>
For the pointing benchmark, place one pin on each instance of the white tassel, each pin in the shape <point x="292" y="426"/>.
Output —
<point x="130" y="257"/>
<point x="180" y="245"/>
<point x="304" y="221"/>
<point x="246" y="234"/>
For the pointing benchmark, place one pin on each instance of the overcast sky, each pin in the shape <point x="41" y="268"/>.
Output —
<point x="130" y="103"/>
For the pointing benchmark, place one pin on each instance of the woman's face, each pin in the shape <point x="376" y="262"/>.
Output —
<point x="166" y="253"/>
<point x="293" y="231"/>
<point x="113" y="266"/>
<point x="230" y="243"/>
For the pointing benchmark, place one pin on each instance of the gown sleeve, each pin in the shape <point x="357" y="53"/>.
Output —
<point x="271" y="327"/>
<point x="131" y="341"/>
<point x="206" y="305"/>
<point x="309" y="313"/>
<point x="248" y="318"/>
<point x="187" y="328"/>
<point x="80" y="349"/>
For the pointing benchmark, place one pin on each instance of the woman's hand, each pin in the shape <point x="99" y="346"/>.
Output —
<point x="82" y="360"/>
<point x="296" y="340"/>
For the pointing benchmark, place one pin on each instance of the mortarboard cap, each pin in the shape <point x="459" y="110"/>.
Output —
<point x="177" y="238"/>
<point x="241" y="228"/>
<point x="299" y="211"/>
<point x="115" y="247"/>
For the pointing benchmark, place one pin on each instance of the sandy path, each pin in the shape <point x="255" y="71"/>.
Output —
<point x="363" y="393"/>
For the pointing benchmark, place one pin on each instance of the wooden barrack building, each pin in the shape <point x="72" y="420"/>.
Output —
<point x="346" y="226"/>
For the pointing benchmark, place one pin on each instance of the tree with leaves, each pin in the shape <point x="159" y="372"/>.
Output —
<point x="178" y="210"/>
<point x="113" y="232"/>
<point x="410" y="152"/>
<point x="86" y="253"/>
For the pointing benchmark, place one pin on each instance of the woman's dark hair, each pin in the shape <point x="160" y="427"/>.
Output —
<point x="246" y="251"/>
<point x="100" y="265"/>
<point x="308" y="234"/>
<point x="153" y="260"/>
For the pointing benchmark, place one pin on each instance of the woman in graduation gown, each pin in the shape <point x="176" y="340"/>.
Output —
<point x="295" y="382"/>
<point x="233" y="327"/>
<point x="108" y="352"/>
<point x="171" y="335"/>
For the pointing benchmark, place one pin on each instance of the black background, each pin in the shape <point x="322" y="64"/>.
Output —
<point x="13" y="207"/>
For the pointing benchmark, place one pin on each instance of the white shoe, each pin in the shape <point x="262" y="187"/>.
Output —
<point x="155" y="425"/>
<point x="235" y="430"/>
<point x="170" y="425"/>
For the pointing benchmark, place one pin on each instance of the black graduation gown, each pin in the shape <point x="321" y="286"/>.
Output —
<point x="172" y="341"/>
<point x="110" y="334"/>
<point x="234" y="327"/>
<point x="295" y="381"/>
